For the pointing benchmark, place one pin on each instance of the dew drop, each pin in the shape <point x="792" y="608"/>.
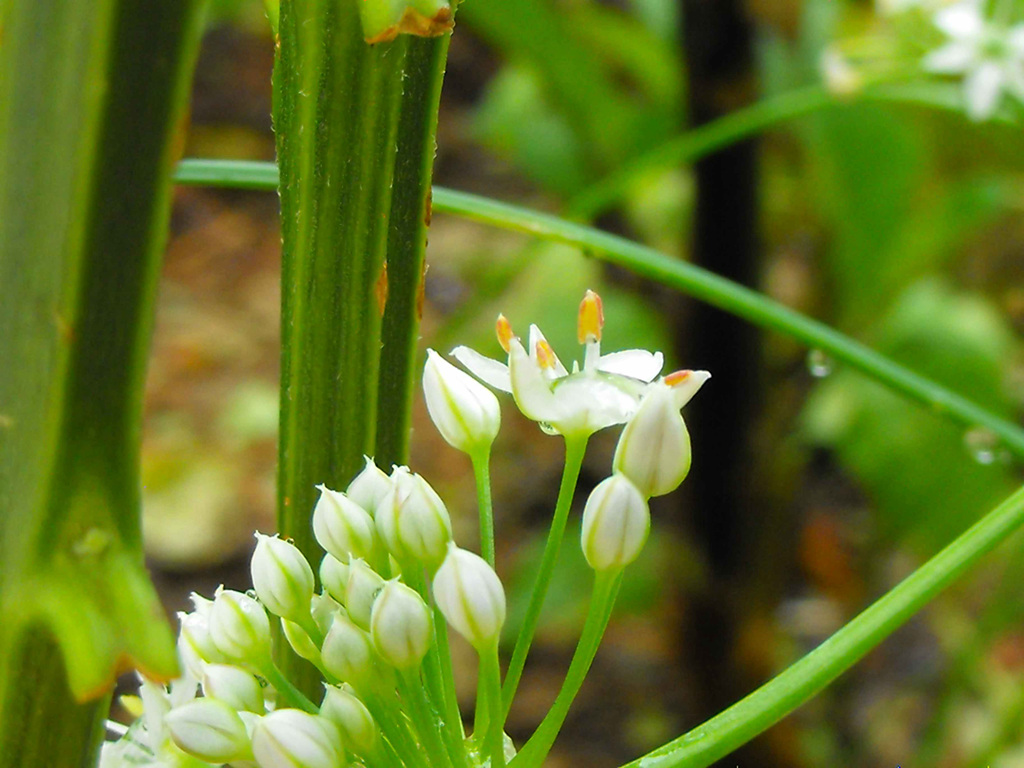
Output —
<point x="983" y="445"/>
<point x="819" y="364"/>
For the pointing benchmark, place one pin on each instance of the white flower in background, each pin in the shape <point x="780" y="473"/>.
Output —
<point x="840" y="76"/>
<point x="989" y="55"/>
<point x="605" y="392"/>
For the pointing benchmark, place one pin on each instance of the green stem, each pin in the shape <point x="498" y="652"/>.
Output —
<point x="395" y="728"/>
<point x="482" y="472"/>
<point x="744" y="720"/>
<point x="424" y="718"/>
<point x="707" y="287"/>
<point x="493" y="742"/>
<point x="575" y="448"/>
<point x="289" y="694"/>
<point x="455" y="736"/>
<point x="602" y="601"/>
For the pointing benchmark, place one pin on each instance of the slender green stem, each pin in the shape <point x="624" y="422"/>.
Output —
<point x="710" y="288"/>
<point x="424" y="717"/>
<point x="432" y="671"/>
<point x="289" y="694"/>
<point x="493" y="741"/>
<point x="482" y="472"/>
<point x="744" y="720"/>
<point x="454" y="734"/>
<point x="602" y="601"/>
<point x="395" y="728"/>
<point x="575" y="448"/>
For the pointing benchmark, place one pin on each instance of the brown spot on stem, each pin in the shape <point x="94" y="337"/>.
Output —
<point x="415" y="23"/>
<point x="429" y="209"/>
<point x="381" y="289"/>
<point x="420" y="294"/>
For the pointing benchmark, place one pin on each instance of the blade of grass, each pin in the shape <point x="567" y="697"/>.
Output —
<point x="771" y="702"/>
<point x="694" y="281"/>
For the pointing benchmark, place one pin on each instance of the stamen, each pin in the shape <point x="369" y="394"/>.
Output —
<point x="504" y="329"/>
<point x="677" y="378"/>
<point x="591" y="318"/>
<point x="545" y="356"/>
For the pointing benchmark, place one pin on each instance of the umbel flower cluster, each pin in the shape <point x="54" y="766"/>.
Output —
<point x="979" y="42"/>
<point x="373" y="617"/>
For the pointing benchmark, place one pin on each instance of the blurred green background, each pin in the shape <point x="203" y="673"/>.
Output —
<point x="812" y="490"/>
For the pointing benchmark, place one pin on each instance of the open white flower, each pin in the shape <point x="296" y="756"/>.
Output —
<point x="988" y="54"/>
<point x="605" y="392"/>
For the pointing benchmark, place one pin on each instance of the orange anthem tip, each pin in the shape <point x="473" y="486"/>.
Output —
<point x="677" y="378"/>
<point x="545" y="355"/>
<point x="591" y="318"/>
<point x="504" y="330"/>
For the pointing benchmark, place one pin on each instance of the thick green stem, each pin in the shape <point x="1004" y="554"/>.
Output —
<point x="575" y="448"/>
<point x="407" y="241"/>
<point x="482" y="472"/>
<point x="602" y="601"/>
<point x="90" y="97"/>
<point x="744" y="720"/>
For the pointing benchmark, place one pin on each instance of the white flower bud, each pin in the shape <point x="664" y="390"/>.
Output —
<point x="334" y="577"/>
<point x="210" y="730"/>
<point x="194" y="643"/>
<point x="400" y="626"/>
<point x="369" y="487"/>
<point x="343" y="708"/>
<point x="413" y="521"/>
<point x="464" y="411"/>
<point x="341" y="526"/>
<point x="325" y="608"/>
<point x="348" y="653"/>
<point x="470" y="596"/>
<point x="364" y="584"/>
<point x="235" y="687"/>
<point x="239" y="627"/>
<point x="291" y="738"/>
<point x="281" y="577"/>
<point x="616" y="522"/>
<point x="654" y="447"/>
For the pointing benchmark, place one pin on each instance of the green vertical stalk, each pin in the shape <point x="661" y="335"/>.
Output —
<point x="90" y="97"/>
<point x="355" y="130"/>
<point x="407" y="242"/>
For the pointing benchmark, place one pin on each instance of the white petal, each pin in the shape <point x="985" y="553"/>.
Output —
<point x="489" y="371"/>
<point x="950" y="59"/>
<point x="685" y="391"/>
<point x="635" y="363"/>
<point x="962" y="21"/>
<point x="591" y="403"/>
<point x="982" y="88"/>
<point x="535" y="336"/>
<point x="530" y="388"/>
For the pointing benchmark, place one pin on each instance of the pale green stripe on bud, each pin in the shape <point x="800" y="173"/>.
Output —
<point x="290" y="738"/>
<point x="364" y="584"/>
<point x="282" y="578"/>
<point x="369" y="487"/>
<point x="464" y="411"/>
<point x="210" y="730"/>
<point x="346" y="710"/>
<point x="239" y="628"/>
<point x="334" y="577"/>
<point x="342" y="527"/>
<point x="413" y="521"/>
<point x="470" y="595"/>
<point x="234" y="686"/>
<point x="616" y="522"/>
<point x="654" y="447"/>
<point x="400" y="626"/>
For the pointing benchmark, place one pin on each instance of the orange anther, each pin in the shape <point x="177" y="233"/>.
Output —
<point x="677" y="378"/>
<point x="591" y="319"/>
<point x="504" y="329"/>
<point x="545" y="355"/>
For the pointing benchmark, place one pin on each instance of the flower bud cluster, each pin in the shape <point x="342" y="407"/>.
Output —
<point x="363" y="628"/>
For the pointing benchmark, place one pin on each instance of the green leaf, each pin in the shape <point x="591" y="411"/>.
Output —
<point x="91" y="96"/>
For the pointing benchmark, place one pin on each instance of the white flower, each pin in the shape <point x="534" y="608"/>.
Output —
<point x="605" y="392"/>
<point x="989" y="55"/>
